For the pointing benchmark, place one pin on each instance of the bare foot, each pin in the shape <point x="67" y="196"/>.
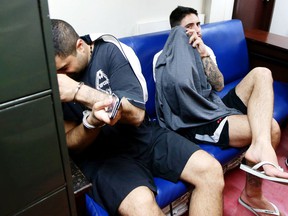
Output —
<point x="255" y="155"/>
<point x="258" y="203"/>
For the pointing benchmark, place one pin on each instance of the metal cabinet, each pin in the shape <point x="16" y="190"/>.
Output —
<point x="34" y="162"/>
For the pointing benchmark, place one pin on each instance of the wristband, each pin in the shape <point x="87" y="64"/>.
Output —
<point x="86" y="113"/>
<point x="77" y="90"/>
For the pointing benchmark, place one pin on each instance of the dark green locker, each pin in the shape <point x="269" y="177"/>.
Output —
<point x="34" y="163"/>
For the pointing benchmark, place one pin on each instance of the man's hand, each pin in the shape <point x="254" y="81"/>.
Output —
<point x="67" y="87"/>
<point x="196" y="41"/>
<point x="89" y="97"/>
<point x="99" y="116"/>
<point x="214" y="75"/>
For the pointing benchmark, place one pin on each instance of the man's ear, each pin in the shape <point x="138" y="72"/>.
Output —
<point x="79" y="45"/>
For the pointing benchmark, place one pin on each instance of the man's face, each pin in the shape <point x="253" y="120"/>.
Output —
<point x="71" y="64"/>
<point x="191" y="21"/>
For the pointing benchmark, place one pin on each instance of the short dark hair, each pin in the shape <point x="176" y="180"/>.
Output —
<point x="179" y="13"/>
<point x="64" y="38"/>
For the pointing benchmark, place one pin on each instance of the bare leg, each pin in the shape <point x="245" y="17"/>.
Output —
<point x="240" y="135"/>
<point x="252" y="193"/>
<point x="259" y="129"/>
<point x="206" y="174"/>
<point x="140" y="202"/>
<point x="256" y="91"/>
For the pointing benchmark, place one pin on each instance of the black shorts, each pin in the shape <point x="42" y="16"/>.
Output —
<point x="233" y="101"/>
<point x="216" y="132"/>
<point x="114" y="178"/>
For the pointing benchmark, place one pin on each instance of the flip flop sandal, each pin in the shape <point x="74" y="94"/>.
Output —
<point x="261" y="174"/>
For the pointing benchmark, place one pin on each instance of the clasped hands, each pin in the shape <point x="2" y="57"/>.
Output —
<point x="98" y="116"/>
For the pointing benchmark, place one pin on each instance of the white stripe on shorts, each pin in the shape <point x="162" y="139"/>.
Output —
<point x="216" y="135"/>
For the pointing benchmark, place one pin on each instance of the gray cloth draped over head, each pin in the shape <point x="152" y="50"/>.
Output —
<point x="184" y="97"/>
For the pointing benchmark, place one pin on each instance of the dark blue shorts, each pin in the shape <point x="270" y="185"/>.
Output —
<point x="114" y="178"/>
<point x="216" y="132"/>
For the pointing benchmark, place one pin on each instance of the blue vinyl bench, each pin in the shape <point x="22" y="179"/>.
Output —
<point x="228" y="41"/>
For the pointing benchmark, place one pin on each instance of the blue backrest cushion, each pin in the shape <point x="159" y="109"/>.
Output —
<point x="227" y="40"/>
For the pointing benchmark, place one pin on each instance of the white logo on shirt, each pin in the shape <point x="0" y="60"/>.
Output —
<point x="102" y="82"/>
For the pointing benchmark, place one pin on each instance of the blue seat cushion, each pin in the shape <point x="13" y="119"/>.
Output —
<point x="92" y="208"/>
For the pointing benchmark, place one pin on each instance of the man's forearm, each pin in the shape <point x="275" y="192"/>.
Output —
<point x="131" y="114"/>
<point x="78" y="137"/>
<point x="89" y="96"/>
<point x="214" y="76"/>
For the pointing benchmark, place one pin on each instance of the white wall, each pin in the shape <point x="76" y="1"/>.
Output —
<point x="129" y="17"/>
<point x="218" y="10"/>
<point x="118" y="17"/>
<point x="279" y="24"/>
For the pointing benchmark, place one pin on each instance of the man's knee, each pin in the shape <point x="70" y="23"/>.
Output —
<point x="138" y="199"/>
<point x="212" y="174"/>
<point x="203" y="170"/>
<point x="262" y="73"/>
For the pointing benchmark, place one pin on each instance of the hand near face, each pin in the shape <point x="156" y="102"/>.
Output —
<point x="196" y="41"/>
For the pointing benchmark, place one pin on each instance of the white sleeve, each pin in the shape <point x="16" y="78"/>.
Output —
<point x="155" y="58"/>
<point x="129" y="54"/>
<point x="211" y="53"/>
<point x="136" y="66"/>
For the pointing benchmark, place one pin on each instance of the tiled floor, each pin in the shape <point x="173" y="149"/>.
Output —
<point x="276" y="193"/>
